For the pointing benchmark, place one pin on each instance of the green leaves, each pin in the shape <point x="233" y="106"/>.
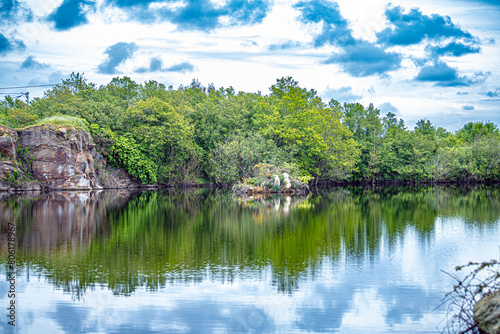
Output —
<point x="195" y="134"/>
<point x="126" y="153"/>
<point x="295" y="117"/>
<point x="235" y="159"/>
<point x="165" y="136"/>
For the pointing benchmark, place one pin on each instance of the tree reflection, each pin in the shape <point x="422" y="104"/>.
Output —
<point x="126" y="240"/>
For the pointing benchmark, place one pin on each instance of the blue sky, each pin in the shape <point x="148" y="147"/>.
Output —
<point x="429" y="59"/>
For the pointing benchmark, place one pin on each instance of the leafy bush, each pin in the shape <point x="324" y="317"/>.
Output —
<point x="103" y="138"/>
<point x="126" y="153"/>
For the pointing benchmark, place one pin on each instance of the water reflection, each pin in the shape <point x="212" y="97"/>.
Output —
<point x="317" y="263"/>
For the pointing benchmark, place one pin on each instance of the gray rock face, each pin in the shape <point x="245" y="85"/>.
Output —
<point x="487" y="314"/>
<point x="8" y="142"/>
<point x="56" y="158"/>
<point x="62" y="158"/>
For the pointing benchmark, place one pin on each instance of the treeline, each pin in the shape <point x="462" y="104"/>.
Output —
<point x="197" y="134"/>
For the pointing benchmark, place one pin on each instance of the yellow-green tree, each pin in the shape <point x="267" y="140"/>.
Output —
<point x="297" y="118"/>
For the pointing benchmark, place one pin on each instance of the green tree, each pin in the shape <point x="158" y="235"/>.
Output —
<point x="366" y="125"/>
<point x="166" y="137"/>
<point x="15" y="113"/>
<point x="476" y="130"/>
<point x="297" y="119"/>
<point x="235" y="159"/>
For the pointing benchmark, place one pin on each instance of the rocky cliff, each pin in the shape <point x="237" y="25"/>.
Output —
<point x="45" y="157"/>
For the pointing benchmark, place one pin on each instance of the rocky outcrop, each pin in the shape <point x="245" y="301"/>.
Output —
<point x="8" y="142"/>
<point x="49" y="158"/>
<point x="487" y="314"/>
<point x="8" y="149"/>
<point x="115" y="178"/>
<point x="60" y="158"/>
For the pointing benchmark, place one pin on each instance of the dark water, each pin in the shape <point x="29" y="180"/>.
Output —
<point x="345" y="260"/>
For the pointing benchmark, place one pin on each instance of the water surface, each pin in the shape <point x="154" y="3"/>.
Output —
<point x="346" y="260"/>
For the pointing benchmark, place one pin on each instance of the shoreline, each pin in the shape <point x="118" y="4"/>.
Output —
<point x="322" y="185"/>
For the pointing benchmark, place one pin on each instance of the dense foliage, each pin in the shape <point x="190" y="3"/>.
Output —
<point x="194" y="134"/>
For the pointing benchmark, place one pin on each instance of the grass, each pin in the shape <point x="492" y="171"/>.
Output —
<point x="60" y="121"/>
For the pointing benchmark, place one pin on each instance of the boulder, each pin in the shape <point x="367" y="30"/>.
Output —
<point x="286" y="181"/>
<point x="487" y="314"/>
<point x="276" y="181"/>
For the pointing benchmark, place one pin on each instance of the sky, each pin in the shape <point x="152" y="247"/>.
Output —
<point x="428" y="59"/>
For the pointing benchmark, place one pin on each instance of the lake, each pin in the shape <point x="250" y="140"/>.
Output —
<point x="343" y="260"/>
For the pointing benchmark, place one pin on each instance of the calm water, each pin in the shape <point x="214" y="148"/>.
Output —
<point x="345" y="260"/>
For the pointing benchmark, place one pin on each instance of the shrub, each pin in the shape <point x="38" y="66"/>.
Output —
<point x="59" y="121"/>
<point x="126" y="153"/>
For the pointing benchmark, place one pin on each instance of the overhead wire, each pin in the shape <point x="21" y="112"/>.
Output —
<point x="23" y="94"/>
<point x="33" y="86"/>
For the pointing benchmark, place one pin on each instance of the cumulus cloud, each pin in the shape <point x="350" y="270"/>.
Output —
<point x="492" y="93"/>
<point x="364" y="59"/>
<point x="444" y="75"/>
<point x="342" y="94"/>
<point x="386" y="108"/>
<point x="71" y="14"/>
<point x="357" y="57"/>
<point x="116" y="55"/>
<point x="443" y="38"/>
<point x="182" y="67"/>
<point x="361" y="58"/>
<point x="247" y="11"/>
<point x="10" y="44"/>
<point x="455" y="49"/>
<point x="195" y="14"/>
<point x="156" y="65"/>
<point x="30" y="63"/>
<point x="14" y="11"/>
<point x="335" y="28"/>
<point x="413" y="27"/>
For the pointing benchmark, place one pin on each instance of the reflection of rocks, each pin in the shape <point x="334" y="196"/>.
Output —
<point x="269" y="207"/>
<point x="487" y="314"/>
<point x="286" y="207"/>
<point x="61" y="218"/>
<point x="277" y="204"/>
<point x="57" y="219"/>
